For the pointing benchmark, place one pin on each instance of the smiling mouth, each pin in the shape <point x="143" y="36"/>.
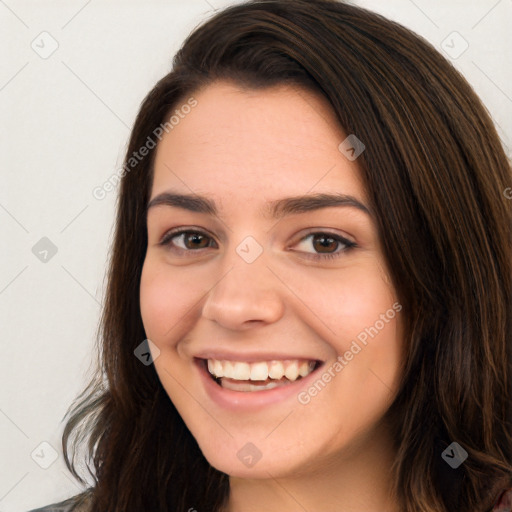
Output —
<point x="258" y="376"/>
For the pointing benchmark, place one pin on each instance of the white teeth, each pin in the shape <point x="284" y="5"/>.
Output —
<point x="246" y="386"/>
<point x="276" y="370"/>
<point x="242" y="371"/>
<point x="292" y="372"/>
<point x="261" y="370"/>
<point x="305" y="368"/>
<point x="217" y="367"/>
<point x="227" y="368"/>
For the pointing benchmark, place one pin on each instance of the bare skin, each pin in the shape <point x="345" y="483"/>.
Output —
<point x="320" y="451"/>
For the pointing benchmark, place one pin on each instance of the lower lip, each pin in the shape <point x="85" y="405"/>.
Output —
<point x="250" y="400"/>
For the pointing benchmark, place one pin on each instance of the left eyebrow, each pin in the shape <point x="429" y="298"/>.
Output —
<point x="275" y="209"/>
<point x="301" y="204"/>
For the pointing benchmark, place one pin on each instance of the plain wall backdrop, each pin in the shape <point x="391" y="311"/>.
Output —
<point x="72" y="78"/>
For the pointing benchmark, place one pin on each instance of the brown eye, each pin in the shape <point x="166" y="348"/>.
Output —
<point x="196" y="240"/>
<point x="186" y="240"/>
<point x="323" y="243"/>
<point x="326" y="245"/>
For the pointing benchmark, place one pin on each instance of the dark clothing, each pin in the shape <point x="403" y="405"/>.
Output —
<point x="504" y="504"/>
<point x="78" y="503"/>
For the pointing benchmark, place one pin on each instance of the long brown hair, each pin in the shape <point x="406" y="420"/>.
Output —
<point x="435" y="173"/>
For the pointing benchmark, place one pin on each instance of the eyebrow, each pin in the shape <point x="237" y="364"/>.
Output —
<point x="275" y="209"/>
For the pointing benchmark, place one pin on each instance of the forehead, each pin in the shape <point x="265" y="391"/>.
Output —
<point x="255" y="141"/>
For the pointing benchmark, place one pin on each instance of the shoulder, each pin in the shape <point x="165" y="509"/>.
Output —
<point x="504" y="502"/>
<point x="78" y="503"/>
<point x="55" y="507"/>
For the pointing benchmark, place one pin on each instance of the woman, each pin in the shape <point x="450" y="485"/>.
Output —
<point x="310" y="293"/>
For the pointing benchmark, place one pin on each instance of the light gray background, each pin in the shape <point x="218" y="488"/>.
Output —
<point x="65" y="125"/>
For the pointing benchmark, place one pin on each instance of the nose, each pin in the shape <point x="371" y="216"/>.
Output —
<point x="247" y="293"/>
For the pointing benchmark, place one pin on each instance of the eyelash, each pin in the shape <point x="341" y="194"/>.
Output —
<point x="167" y="241"/>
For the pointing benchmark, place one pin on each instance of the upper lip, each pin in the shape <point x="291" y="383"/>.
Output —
<point x="252" y="357"/>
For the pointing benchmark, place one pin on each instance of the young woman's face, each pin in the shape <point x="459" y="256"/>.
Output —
<point x="260" y="275"/>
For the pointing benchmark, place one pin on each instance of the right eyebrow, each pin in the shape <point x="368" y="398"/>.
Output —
<point x="191" y="202"/>
<point x="275" y="209"/>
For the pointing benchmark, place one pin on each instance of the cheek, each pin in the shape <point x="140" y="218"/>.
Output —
<point x="358" y="314"/>
<point x="167" y="297"/>
<point x="349" y="300"/>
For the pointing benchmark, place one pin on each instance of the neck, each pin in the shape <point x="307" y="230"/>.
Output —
<point x="359" y="480"/>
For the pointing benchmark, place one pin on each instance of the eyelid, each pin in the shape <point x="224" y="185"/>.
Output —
<point x="166" y="240"/>
<point x="322" y="257"/>
<point x="174" y="232"/>
<point x="323" y="231"/>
